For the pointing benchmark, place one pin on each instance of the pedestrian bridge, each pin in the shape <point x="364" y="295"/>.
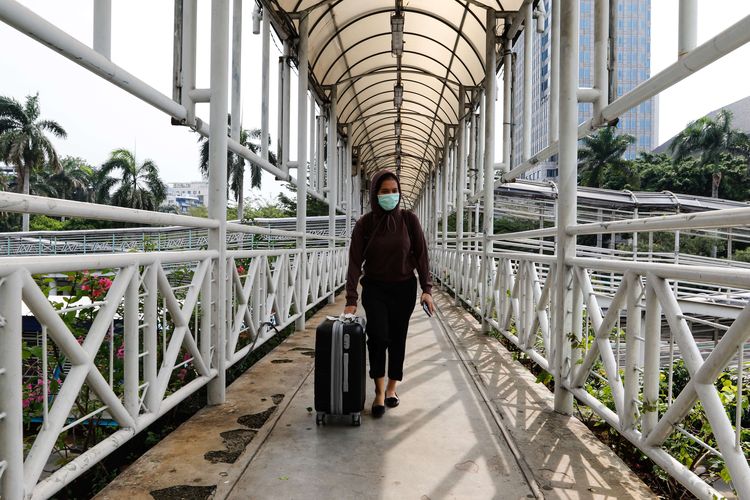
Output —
<point x="96" y="346"/>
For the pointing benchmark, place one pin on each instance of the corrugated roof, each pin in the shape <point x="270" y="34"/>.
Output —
<point x="350" y="47"/>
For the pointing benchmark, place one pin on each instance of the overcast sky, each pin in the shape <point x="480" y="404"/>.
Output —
<point x="100" y="117"/>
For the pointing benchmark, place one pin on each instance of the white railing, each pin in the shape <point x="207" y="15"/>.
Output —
<point x="632" y="321"/>
<point x="137" y="333"/>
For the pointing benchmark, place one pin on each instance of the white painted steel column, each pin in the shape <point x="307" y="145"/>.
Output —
<point x="347" y="170"/>
<point x="566" y="209"/>
<point x="601" y="48"/>
<point x="481" y="121"/>
<point x="103" y="27"/>
<point x="303" y="77"/>
<point x="286" y="97"/>
<point x="471" y="159"/>
<point x="217" y="186"/>
<point x="688" y="27"/>
<point x="313" y="164"/>
<point x="265" y="79"/>
<point x="11" y="383"/>
<point x="236" y="123"/>
<point x="320" y="147"/>
<point x="333" y="177"/>
<point x="189" y="33"/>
<point x="507" y="101"/>
<point x="460" y="184"/>
<point x="444" y="188"/>
<point x="528" y="65"/>
<point x="488" y="161"/>
<point x="554" y="74"/>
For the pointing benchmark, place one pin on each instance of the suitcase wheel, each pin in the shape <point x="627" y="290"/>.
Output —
<point x="320" y="419"/>
<point x="356" y="419"/>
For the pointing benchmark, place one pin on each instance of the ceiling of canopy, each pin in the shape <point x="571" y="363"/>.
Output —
<point x="350" y="46"/>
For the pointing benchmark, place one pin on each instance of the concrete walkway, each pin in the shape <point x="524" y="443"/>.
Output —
<point x="472" y="424"/>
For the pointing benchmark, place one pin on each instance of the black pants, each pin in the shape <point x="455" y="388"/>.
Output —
<point x="388" y="307"/>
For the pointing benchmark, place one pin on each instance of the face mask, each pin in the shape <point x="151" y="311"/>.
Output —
<point x="388" y="201"/>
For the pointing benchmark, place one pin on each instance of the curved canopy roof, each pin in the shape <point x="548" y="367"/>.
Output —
<point x="350" y="43"/>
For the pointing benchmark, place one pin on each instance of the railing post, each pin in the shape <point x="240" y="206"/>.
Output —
<point x="11" y="382"/>
<point x="217" y="202"/>
<point x="132" y="345"/>
<point x="150" y="332"/>
<point x="488" y="163"/>
<point x="566" y="212"/>
<point x="302" y="71"/>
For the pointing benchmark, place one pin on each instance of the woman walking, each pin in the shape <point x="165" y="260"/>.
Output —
<point x="387" y="246"/>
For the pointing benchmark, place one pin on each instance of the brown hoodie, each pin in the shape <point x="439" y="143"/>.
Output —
<point x="391" y="244"/>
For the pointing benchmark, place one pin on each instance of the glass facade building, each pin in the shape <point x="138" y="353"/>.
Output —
<point x="632" y="66"/>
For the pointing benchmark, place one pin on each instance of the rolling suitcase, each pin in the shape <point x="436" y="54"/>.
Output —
<point x="340" y="353"/>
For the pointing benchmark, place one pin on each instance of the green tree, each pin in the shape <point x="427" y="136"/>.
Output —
<point x="138" y="186"/>
<point x="712" y="142"/>
<point x="289" y="205"/>
<point x="24" y="143"/>
<point x="601" y="154"/>
<point x="236" y="164"/>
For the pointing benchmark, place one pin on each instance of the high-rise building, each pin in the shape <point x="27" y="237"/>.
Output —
<point x="632" y="66"/>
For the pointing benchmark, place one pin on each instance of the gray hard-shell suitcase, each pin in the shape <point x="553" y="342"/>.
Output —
<point x="340" y="356"/>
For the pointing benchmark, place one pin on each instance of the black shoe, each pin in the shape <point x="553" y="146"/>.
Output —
<point x="378" y="410"/>
<point x="392" y="402"/>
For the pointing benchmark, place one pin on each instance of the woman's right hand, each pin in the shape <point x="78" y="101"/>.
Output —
<point x="350" y="310"/>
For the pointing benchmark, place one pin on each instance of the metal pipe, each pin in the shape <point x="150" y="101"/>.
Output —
<point x="217" y="181"/>
<point x="103" y="27"/>
<point x="490" y="86"/>
<point x="19" y="203"/>
<point x="333" y="174"/>
<point x="528" y="65"/>
<point x="265" y="79"/>
<point x="701" y="220"/>
<point x="11" y="384"/>
<point x="688" y="27"/>
<point x="566" y="202"/>
<point x="41" y="30"/>
<point x="303" y="77"/>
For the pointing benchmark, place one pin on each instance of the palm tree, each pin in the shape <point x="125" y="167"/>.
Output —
<point x="138" y="186"/>
<point x="74" y="181"/>
<point x="236" y="165"/>
<point x="23" y="142"/>
<point x="710" y="140"/>
<point x="601" y="150"/>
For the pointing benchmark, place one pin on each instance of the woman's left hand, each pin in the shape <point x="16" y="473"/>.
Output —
<point x="427" y="299"/>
